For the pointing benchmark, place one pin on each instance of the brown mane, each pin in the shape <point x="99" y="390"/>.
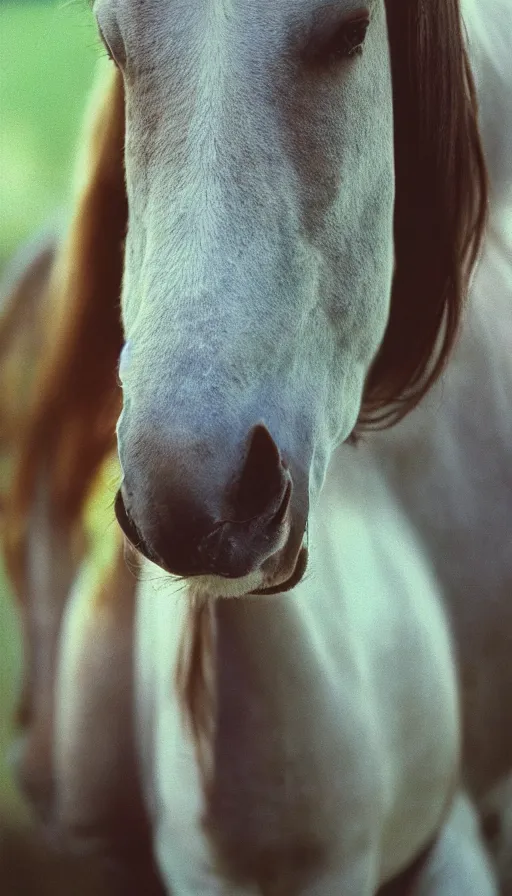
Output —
<point x="440" y="208"/>
<point x="69" y="424"/>
<point x="21" y="332"/>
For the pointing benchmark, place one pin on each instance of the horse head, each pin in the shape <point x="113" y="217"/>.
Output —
<point x="306" y="195"/>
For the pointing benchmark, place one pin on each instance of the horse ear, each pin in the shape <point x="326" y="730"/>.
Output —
<point x="69" y="424"/>
<point x="440" y="206"/>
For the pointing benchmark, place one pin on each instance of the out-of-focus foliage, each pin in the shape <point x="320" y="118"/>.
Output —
<point x="47" y="55"/>
<point x="48" y="51"/>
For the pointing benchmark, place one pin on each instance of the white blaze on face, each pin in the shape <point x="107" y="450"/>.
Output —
<point x="259" y="251"/>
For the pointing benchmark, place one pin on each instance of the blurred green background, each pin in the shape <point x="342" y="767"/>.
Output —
<point x="48" y="52"/>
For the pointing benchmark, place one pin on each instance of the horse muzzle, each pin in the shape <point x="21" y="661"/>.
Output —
<point x="193" y="520"/>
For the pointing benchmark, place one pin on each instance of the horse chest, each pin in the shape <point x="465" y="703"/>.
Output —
<point x="261" y="819"/>
<point x="285" y="780"/>
<point x="265" y="815"/>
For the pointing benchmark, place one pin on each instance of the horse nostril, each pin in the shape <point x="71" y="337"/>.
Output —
<point x="128" y="526"/>
<point x="280" y="513"/>
<point x="226" y="518"/>
<point x="263" y="479"/>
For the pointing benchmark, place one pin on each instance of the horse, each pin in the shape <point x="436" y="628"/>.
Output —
<point x="295" y="226"/>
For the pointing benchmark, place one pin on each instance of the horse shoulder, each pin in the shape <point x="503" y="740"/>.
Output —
<point x="398" y="621"/>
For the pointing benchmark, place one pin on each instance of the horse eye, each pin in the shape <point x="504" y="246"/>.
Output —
<point x="349" y="39"/>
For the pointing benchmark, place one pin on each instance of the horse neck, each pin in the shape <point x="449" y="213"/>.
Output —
<point x="251" y="668"/>
<point x="233" y="656"/>
<point x="257" y="661"/>
<point x="253" y="693"/>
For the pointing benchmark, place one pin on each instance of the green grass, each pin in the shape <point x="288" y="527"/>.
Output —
<point x="47" y="55"/>
<point x="48" y="52"/>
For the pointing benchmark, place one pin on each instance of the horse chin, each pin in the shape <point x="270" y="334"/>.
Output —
<point x="207" y="587"/>
<point x="281" y="572"/>
<point x="289" y="568"/>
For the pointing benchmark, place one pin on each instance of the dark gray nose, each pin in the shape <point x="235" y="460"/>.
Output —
<point x="194" y="518"/>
